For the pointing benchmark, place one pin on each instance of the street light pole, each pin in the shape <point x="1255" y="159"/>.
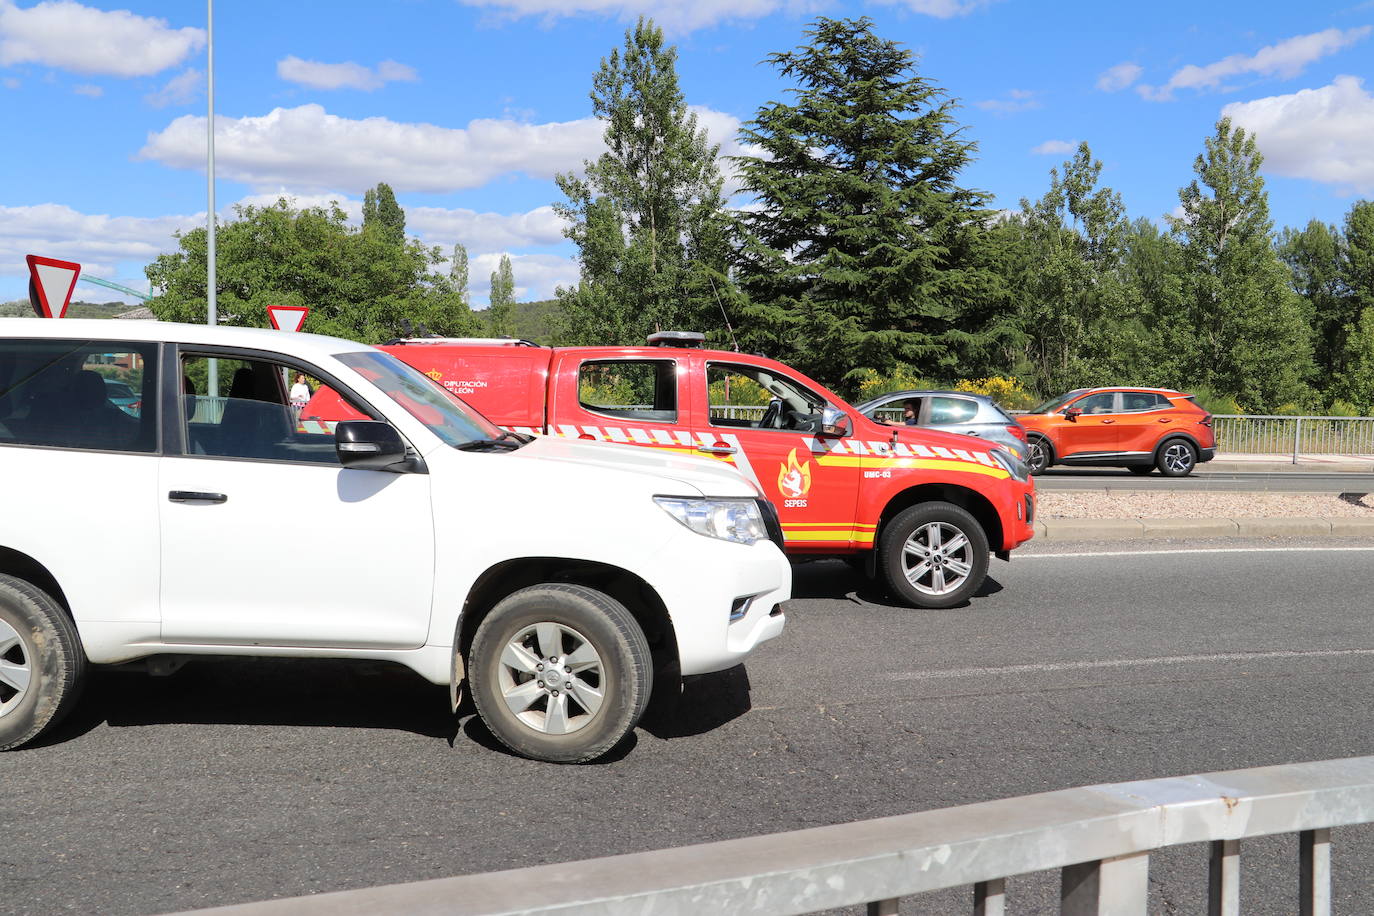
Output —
<point x="212" y="317"/>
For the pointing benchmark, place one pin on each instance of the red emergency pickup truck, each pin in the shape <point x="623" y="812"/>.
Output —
<point x="924" y="508"/>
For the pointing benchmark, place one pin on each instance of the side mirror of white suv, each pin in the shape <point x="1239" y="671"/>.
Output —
<point x="370" y="445"/>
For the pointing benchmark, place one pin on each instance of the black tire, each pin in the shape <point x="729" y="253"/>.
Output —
<point x="42" y="664"/>
<point x="1176" y="458"/>
<point x="1140" y="470"/>
<point x="923" y="589"/>
<point x="1039" y="454"/>
<point x="560" y="621"/>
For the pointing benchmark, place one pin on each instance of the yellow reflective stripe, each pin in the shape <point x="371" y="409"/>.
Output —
<point x="826" y="525"/>
<point x="839" y="534"/>
<point x="924" y="464"/>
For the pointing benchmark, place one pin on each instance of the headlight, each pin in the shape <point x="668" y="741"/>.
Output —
<point x="1013" y="465"/>
<point x="737" y="520"/>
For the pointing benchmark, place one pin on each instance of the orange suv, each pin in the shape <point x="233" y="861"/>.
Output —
<point x="1136" y="428"/>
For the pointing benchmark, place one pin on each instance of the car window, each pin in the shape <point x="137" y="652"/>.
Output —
<point x="1097" y="403"/>
<point x="78" y="394"/>
<point x="894" y="411"/>
<point x="235" y="408"/>
<point x="753" y="397"/>
<point x="951" y="410"/>
<point x="1141" y="400"/>
<point x="633" y="389"/>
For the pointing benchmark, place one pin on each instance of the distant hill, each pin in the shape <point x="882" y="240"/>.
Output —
<point x="531" y="320"/>
<point x="20" y="308"/>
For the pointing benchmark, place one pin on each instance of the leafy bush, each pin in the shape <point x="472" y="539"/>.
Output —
<point x="1340" y="408"/>
<point x="872" y="384"/>
<point x="1007" y="392"/>
<point x="1213" y="401"/>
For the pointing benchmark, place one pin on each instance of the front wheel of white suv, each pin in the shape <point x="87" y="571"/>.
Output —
<point x="42" y="664"/>
<point x="560" y="673"/>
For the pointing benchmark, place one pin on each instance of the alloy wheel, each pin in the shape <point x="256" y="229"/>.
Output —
<point x="937" y="559"/>
<point x="552" y="678"/>
<point x="1178" y="457"/>
<point x="16" y="668"/>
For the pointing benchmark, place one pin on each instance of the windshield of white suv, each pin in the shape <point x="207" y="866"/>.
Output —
<point x="445" y="414"/>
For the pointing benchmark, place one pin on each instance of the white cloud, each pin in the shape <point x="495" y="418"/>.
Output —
<point x="1286" y="60"/>
<point x="10" y="82"/>
<point x="179" y="90"/>
<point x="1016" y="100"/>
<point x="310" y="150"/>
<point x="536" y="276"/>
<point x="68" y="36"/>
<point x="1324" y="135"/>
<point x="941" y="9"/>
<point x="98" y="242"/>
<point x="1114" y="79"/>
<point x="671" y="15"/>
<point x="89" y="91"/>
<point x="347" y="75"/>
<point x="1055" y="147"/>
<point x="484" y="232"/>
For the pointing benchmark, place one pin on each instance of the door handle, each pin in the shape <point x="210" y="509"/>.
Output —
<point x="1166" y="419"/>
<point x="716" y="449"/>
<point x="1107" y="422"/>
<point x="974" y="432"/>
<point x="191" y="496"/>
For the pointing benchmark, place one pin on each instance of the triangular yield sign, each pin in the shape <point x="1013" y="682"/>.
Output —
<point x="50" y="285"/>
<point x="287" y="317"/>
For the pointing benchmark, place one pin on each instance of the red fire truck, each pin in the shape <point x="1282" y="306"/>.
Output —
<point x="922" y="509"/>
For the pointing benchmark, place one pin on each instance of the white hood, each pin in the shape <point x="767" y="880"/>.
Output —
<point x="681" y="474"/>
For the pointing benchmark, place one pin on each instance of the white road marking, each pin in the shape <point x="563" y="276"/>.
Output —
<point x="1158" y="553"/>
<point x="1127" y="663"/>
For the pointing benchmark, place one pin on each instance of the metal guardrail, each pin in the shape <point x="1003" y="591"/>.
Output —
<point x="1267" y="435"/>
<point x="1100" y="837"/>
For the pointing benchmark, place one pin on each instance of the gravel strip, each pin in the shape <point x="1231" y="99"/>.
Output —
<point x="1165" y="504"/>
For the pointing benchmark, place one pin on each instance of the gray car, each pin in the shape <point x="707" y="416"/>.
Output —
<point x="950" y="411"/>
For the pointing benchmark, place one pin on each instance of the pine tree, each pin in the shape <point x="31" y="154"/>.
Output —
<point x="647" y="218"/>
<point x="502" y="298"/>
<point x="458" y="273"/>
<point x="1252" y="343"/>
<point x="383" y="216"/>
<point x="864" y="250"/>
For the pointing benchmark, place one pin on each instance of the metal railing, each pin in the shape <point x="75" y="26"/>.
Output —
<point x="1268" y="435"/>
<point x="1100" y="837"/>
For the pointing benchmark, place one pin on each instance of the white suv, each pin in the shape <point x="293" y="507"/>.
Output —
<point x="553" y="577"/>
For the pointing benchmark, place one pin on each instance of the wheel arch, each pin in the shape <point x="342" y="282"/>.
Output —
<point x="1174" y="436"/>
<point x="1045" y="438"/>
<point x="975" y="503"/>
<point x="509" y="576"/>
<point x="22" y="566"/>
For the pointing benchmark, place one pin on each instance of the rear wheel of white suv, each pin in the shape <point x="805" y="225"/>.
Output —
<point x="42" y="663"/>
<point x="560" y="673"/>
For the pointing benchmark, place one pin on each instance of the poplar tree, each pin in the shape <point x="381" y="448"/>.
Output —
<point x="1251" y="341"/>
<point x="502" y="298"/>
<point x="1356" y="380"/>
<point x="647" y="217"/>
<point x="458" y="273"/>
<point x="1314" y="258"/>
<point x="382" y="216"/>
<point x="864" y="250"/>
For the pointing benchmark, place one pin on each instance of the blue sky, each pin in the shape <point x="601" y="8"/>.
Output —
<point x="469" y="107"/>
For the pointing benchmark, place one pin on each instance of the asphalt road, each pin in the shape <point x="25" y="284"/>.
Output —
<point x="1206" y="481"/>
<point x="234" y="781"/>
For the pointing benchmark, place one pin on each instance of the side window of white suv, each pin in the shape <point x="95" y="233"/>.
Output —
<point x="83" y="394"/>
<point x="234" y="408"/>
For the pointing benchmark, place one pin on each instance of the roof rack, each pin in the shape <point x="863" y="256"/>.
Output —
<point x="677" y="339"/>
<point x="480" y="341"/>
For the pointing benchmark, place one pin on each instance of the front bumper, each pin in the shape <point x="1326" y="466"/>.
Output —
<point x="709" y="582"/>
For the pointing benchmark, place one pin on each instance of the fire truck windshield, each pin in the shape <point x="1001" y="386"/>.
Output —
<point x="444" y="413"/>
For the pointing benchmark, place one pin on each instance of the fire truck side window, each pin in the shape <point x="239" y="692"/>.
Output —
<point x="755" y="398"/>
<point x="632" y="389"/>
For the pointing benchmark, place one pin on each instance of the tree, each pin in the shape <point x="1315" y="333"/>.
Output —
<point x="1357" y="260"/>
<point x="458" y="273"/>
<point x="1314" y="257"/>
<point x="356" y="284"/>
<point x="863" y="249"/>
<point x="1355" y="381"/>
<point x="383" y="216"/>
<point x="1072" y="302"/>
<point x="1251" y="341"/>
<point x="647" y="218"/>
<point x="502" y="298"/>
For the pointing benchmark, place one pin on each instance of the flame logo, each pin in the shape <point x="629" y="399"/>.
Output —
<point x="794" y="478"/>
<point x="435" y="374"/>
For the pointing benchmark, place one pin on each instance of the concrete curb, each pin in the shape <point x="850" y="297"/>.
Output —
<point x="1235" y="466"/>
<point x="1114" y="529"/>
